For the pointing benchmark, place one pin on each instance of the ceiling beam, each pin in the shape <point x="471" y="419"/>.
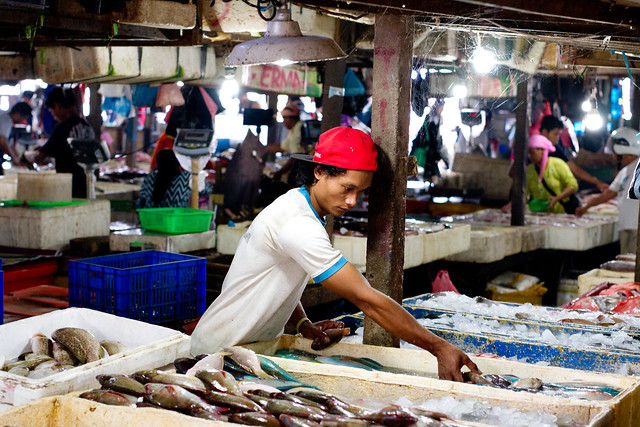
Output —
<point x="591" y="11"/>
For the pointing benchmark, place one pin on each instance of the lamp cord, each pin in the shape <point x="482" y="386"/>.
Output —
<point x="263" y="6"/>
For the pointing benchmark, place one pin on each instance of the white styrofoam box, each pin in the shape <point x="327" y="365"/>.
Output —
<point x="413" y="251"/>
<point x="189" y="58"/>
<point x="227" y="238"/>
<point x="593" y="278"/>
<point x="17" y="67"/>
<point x="533" y="237"/>
<point x="8" y="187"/>
<point x="621" y="410"/>
<point x="608" y="232"/>
<point x="213" y="74"/>
<point x="446" y="242"/>
<point x="574" y="238"/>
<point x="487" y="245"/>
<point x="102" y="64"/>
<point x="353" y="248"/>
<point x="150" y="346"/>
<point x="53" y="228"/>
<point x="44" y="187"/>
<point x="119" y="241"/>
<point x="511" y="236"/>
<point x="160" y="14"/>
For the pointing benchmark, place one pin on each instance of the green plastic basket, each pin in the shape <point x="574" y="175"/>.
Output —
<point x="175" y="220"/>
<point x="539" y="205"/>
<point x="38" y="205"/>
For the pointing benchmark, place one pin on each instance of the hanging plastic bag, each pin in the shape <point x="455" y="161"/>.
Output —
<point x="169" y="94"/>
<point x="144" y="95"/>
<point x="442" y="283"/>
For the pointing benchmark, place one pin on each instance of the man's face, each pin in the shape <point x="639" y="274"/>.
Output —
<point x="536" y="154"/>
<point x="335" y="195"/>
<point x="18" y="118"/>
<point x="289" y="121"/>
<point x="552" y="135"/>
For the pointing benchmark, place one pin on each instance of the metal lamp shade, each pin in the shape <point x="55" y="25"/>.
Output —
<point x="284" y="41"/>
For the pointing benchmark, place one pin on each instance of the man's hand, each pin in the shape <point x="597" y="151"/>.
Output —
<point x="315" y="331"/>
<point x="581" y="210"/>
<point x="602" y="186"/>
<point x="450" y="360"/>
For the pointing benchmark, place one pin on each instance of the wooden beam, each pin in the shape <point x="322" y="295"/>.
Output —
<point x="594" y="11"/>
<point x="392" y="61"/>
<point x="520" y="150"/>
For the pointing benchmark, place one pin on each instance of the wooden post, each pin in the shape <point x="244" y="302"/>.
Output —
<point x="195" y="199"/>
<point x="392" y="61"/>
<point x="520" y="150"/>
<point x="95" y="113"/>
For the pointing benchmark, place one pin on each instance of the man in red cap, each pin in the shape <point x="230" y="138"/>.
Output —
<point x="287" y="243"/>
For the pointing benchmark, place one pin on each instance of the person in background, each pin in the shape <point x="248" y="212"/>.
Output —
<point x="287" y="243"/>
<point x="547" y="173"/>
<point x="19" y="113"/>
<point x="292" y="144"/>
<point x="62" y="105"/>
<point x="625" y="144"/>
<point x="167" y="186"/>
<point x="551" y="127"/>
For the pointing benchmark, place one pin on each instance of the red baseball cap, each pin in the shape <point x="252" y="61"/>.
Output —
<point x="346" y="148"/>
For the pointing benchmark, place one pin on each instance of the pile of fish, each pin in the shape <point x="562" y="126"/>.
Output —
<point x="532" y="385"/>
<point x="613" y="298"/>
<point x="201" y="387"/>
<point x="535" y="385"/>
<point x="67" y="348"/>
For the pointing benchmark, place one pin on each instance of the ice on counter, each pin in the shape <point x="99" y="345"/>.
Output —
<point x="484" y="412"/>
<point x="464" y="304"/>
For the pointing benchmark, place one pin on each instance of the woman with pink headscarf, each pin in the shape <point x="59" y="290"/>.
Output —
<point x="545" y="171"/>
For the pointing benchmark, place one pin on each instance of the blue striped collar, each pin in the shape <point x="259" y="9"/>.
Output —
<point x="305" y="193"/>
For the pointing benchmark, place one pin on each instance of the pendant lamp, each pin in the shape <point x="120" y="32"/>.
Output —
<point x="283" y="43"/>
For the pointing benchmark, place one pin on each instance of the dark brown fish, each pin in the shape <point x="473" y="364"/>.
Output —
<point x="183" y="364"/>
<point x="176" y="397"/>
<point x="207" y="414"/>
<point x="392" y="416"/>
<point x="184" y="381"/>
<point x="233" y="402"/>
<point x="279" y="407"/>
<point x="255" y="419"/>
<point x="293" y="421"/>
<point x="110" y="397"/>
<point x="121" y="383"/>
<point x="289" y="397"/>
<point x="218" y="380"/>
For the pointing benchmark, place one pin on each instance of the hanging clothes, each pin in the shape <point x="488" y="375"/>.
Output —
<point x="427" y="147"/>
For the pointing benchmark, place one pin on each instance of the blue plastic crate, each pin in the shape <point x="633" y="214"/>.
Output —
<point x="151" y="286"/>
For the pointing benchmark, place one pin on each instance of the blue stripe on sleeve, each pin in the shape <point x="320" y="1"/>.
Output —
<point x="331" y="270"/>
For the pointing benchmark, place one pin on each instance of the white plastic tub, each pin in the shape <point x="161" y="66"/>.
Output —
<point x="150" y="346"/>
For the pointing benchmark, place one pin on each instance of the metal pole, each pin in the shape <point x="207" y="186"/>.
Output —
<point x="520" y="150"/>
<point x="392" y="62"/>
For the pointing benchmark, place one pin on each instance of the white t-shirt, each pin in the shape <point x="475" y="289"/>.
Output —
<point x="284" y="246"/>
<point x="627" y="208"/>
<point x="6" y="124"/>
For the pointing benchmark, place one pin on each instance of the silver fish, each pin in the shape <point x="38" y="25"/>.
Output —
<point x="220" y="381"/>
<point x="41" y="345"/>
<point x="527" y="384"/>
<point x="247" y="359"/>
<point x="113" y="347"/>
<point x="186" y="381"/>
